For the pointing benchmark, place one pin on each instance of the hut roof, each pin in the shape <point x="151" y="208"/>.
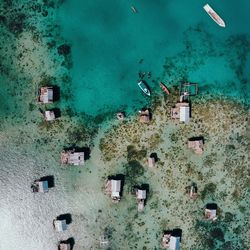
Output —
<point x="49" y="115"/>
<point x="196" y="145"/>
<point x="181" y="111"/>
<point x="141" y="194"/>
<point x="144" y="116"/>
<point x="151" y="162"/>
<point x="174" y="243"/>
<point x="60" y="225"/>
<point x="72" y="158"/>
<point x="77" y="158"/>
<point x="64" y="246"/>
<point x="184" y="114"/>
<point x="43" y="186"/>
<point x="115" y="186"/>
<point x="46" y="95"/>
<point x="210" y="213"/>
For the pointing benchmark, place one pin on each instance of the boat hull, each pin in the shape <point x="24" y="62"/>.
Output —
<point x="214" y="15"/>
<point x="144" y="88"/>
<point x="164" y="88"/>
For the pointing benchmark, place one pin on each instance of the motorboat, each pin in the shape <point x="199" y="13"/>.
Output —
<point x="214" y="15"/>
<point x="143" y="86"/>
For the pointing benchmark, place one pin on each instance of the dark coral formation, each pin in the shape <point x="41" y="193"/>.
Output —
<point x="64" y="49"/>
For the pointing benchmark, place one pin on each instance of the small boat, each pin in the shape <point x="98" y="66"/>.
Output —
<point x="134" y="9"/>
<point x="143" y="86"/>
<point x="214" y="15"/>
<point x="164" y="88"/>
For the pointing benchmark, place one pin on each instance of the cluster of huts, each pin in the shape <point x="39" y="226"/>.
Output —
<point x="60" y="224"/>
<point x="181" y="111"/>
<point x="113" y="189"/>
<point x="47" y="95"/>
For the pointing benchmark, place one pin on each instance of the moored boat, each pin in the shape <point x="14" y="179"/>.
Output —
<point x="164" y="88"/>
<point x="143" y="86"/>
<point x="134" y="9"/>
<point x="214" y="15"/>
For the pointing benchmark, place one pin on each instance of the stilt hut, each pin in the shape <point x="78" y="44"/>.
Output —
<point x="40" y="186"/>
<point x="181" y="111"/>
<point x="144" y="116"/>
<point x="174" y="243"/>
<point x="45" y="95"/>
<point x="141" y="195"/>
<point x="211" y="211"/>
<point x="64" y="246"/>
<point x="170" y="242"/>
<point x="151" y="161"/>
<point x="113" y="189"/>
<point x="165" y="240"/>
<point x="60" y="225"/>
<point x="196" y="144"/>
<point x="70" y="157"/>
<point x="49" y="115"/>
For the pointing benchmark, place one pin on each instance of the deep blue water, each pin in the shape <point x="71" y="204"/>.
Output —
<point x="109" y="40"/>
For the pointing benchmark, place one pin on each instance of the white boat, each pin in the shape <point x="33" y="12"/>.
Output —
<point x="143" y="86"/>
<point x="214" y="15"/>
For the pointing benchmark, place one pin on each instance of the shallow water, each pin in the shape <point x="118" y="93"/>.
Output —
<point x="99" y="77"/>
<point x="109" y="40"/>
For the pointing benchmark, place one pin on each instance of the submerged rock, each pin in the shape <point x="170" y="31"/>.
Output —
<point x="63" y="49"/>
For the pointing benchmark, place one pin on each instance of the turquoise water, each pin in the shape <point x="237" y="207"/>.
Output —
<point x="109" y="40"/>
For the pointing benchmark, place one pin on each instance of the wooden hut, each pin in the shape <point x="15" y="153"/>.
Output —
<point x="193" y="190"/>
<point x="141" y="195"/>
<point x="210" y="212"/>
<point x="70" y="157"/>
<point x="64" y="246"/>
<point x="59" y="225"/>
<point x="174" y="243"/>
<point x="113" y="189"/>
<point x="170" y="242"/>
<point x="49" y="115"/>
<point x="196" y="144"/>
<point x="40" y="186"/>
<point x="144" y="116"/>
<point x="181" y="111"/>
<point x="45" y="95"/>
<point x="151" y="161"/>
<point x="165" y="240"/>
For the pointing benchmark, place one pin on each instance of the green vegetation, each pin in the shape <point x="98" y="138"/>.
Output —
<point x="133" y="170"/>
<point x="209" y="189"/>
